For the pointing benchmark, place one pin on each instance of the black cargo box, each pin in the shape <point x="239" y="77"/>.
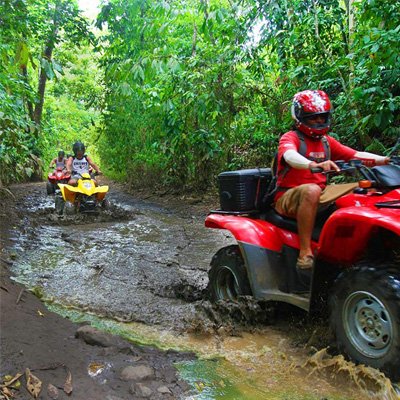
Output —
<point x="243" y="190"/>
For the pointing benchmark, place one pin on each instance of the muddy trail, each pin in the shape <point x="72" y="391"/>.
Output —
<point x="140" y="269"/>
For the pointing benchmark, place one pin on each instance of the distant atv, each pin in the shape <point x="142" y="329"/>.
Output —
<point x="59" y="175"/>
<point x="86" y="197"/>
<point x="356" y="275"/>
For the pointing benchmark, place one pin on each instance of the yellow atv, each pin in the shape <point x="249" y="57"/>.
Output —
<point x="86" y="197"/>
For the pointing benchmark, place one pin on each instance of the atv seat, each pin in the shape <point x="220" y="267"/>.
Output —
<point x="290" y="224"/>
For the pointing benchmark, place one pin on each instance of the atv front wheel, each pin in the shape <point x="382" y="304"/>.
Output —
<point x="69" y="208"/>
<point x="228" y="277"/>
<point x="365" y="317"/>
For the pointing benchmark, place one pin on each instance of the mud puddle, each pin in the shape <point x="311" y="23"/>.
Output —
<point x="143" y="268"/>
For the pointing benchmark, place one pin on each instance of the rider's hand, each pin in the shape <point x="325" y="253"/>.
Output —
<point x="325" y="165"/>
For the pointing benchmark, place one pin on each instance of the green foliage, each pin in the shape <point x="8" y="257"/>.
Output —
<point x="376" y="87"/>
<point x="17" y="145"/>
<point x="190" y="88"/>
<point x="18" y="158"/>
<point x="202" y="86"/>
<point x="34" y="36"/>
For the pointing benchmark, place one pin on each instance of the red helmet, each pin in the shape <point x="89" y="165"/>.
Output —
<point x="309" y="103"/>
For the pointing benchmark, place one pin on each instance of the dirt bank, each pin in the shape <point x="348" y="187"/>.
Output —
<point x="71" y="361"/>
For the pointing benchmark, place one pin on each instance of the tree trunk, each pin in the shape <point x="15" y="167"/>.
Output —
<point x="29" y="104"/>
<point x="48" y="51"/>
<point x="37" y="116"/>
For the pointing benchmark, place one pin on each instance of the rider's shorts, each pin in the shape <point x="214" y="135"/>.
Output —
<point x="289" y="202"/>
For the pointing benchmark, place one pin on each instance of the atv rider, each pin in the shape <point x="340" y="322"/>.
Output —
<point x="60" y="161"/>
<point x="308" y="146"/>
<point x="79" y="163"/>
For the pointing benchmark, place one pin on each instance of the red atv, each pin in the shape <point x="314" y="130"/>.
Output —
<point x="356" y="274"/>
<point x="59" y="175"/>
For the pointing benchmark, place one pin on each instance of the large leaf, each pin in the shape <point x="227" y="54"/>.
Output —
<point x="57" y="67"/>
<point x="47" y="67"/>
<point x="22" y="54"/>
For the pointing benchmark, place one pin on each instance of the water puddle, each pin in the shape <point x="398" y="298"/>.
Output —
<point x="253" y="365"/>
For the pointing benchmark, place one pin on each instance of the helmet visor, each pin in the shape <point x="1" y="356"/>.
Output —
<point x="317" y="120"/>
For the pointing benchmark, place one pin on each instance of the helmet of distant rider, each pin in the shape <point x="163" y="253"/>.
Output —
<point x="310" y="103"/>
<point x="78" y="147"/>
<point x="61" y="154"/>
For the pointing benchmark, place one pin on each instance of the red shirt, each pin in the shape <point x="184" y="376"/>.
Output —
<point x="295" y="177"/>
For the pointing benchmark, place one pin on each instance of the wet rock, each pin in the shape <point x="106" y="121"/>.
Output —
<point x="140" y="389"/>
<point x="137" y="373"/>
<point x="95" y="337"/>
<point x="164" y="390"/>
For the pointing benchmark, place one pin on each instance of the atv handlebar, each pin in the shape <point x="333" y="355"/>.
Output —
<point x="345" y="168"/>
<point x="351" y="166"/>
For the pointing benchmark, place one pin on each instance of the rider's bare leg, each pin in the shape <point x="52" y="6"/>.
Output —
<point x="305" y="216"/>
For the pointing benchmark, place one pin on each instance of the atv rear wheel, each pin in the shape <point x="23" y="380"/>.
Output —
<point x="228" y="277"/>
<point x="50" y="188"/>
<point x="365" y="317"/>
<point x="59" y="204"/>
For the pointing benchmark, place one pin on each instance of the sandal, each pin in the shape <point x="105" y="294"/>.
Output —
<point x="306" y="262"/>
<point x="304" y="268"/>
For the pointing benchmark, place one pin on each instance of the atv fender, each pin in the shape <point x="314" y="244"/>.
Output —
<point x="69" y="192"/>
<point x="347" y="232"/>
<point x="253" y="231"/>
<point x="101" y="192"/>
